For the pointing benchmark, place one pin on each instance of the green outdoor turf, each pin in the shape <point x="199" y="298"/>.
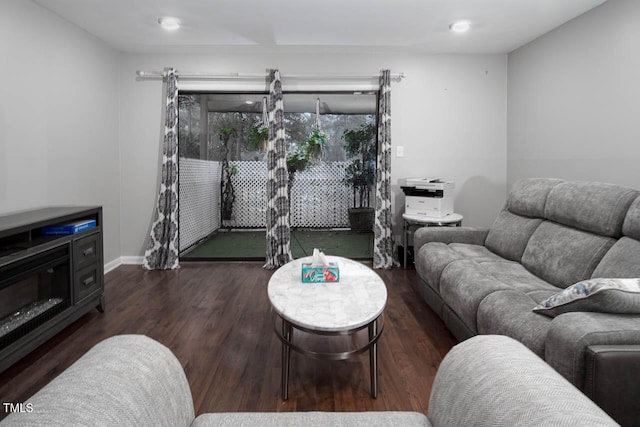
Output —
<point x="347" y="244"/>
<point x="243" y="245"/>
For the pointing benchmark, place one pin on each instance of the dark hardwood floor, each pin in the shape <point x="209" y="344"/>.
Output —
<point x="215" y="317"/>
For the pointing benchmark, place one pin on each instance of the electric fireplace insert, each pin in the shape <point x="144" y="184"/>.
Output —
<point x="33" y="291"/>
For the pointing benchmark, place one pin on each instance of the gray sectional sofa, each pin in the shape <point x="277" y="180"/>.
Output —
<point x="550" y="235"/>
<point x="132" y="380"/>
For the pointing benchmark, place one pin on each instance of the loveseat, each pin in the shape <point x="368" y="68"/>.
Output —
<point x="550" y="235"/>
<point x="132" y="380"/>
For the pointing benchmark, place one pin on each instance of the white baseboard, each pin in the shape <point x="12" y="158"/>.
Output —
<point x="123" y="260"/>
<point x="132" y="260"/>
<point x="112" y="265"/>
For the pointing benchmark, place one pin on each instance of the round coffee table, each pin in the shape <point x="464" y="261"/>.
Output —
<point x="356" y="302"/>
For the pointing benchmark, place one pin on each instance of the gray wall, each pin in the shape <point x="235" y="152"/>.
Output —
<point x="574" y="100"/>
<point x="76" y="127"/>
<point x="58" y="117"/>
<point x="449" y="114"/>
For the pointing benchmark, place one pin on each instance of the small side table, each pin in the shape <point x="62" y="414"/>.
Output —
<point x="453" y="219"/>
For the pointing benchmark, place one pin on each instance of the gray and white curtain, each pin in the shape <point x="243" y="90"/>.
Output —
<point x="278" y="228"/>
<point x="383" y="237"/>
<point x="162" y="250"/>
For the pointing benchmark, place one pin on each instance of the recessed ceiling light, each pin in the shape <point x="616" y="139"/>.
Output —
<point x="248" y="102"/>
<point x="460" y="26"/>
<point x="169" y="23"/>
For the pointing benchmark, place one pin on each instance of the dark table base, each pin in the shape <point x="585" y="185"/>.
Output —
<point x="284" y="331"/>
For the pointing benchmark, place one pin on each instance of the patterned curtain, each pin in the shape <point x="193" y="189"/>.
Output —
<point x="383" y="237"/>
<point x="278" y="229"/>
<point x="162" y="250"/>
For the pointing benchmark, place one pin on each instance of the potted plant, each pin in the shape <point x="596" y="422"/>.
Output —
<point x="315" y="142"/>
<point x="296" y="161"/>
<point x="360" y="174"/>
<point x="308" y="151"/>
<point x="258" y="136"/>
<point x="228" y="195"/>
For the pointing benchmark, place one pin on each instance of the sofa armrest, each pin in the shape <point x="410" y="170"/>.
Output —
<point x="470" y="235"/>
<point x="611" y="380"/>
<point x="126" y="380"/>
<point x="491" y="380"/>
<point x="570" y="334"/>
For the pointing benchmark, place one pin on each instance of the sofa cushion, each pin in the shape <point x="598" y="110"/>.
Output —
<point x="571" y="333"/>
<point x="312" y="419"/>
<point x="541" y="294"/>
<point x="622" y="260"/>
<point x="515" y="276"/>
<point x="509" y="313"/>
<point x="433" y="257"/>
<point x="631" y="224"/>
<point x="591" y="206"/>
<point x="431" y="260"/>
<point x="509" y="234"/>
<point x="563" y="256"/>
<point x="528" y="196"/>
<point x="475" y="252"/>
<point x="463" y="285"/>
<point x="601" y="295"/>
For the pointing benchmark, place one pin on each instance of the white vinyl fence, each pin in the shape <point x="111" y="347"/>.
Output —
<point x="319" y="199"/>
<point x="199" y="199"/>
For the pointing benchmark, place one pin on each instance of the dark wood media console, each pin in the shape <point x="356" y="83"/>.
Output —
<point x="46" y="281"/>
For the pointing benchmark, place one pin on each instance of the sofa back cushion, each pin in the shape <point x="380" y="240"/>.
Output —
<point x="563" y="255"/>
<point x="631" y="225"/>
<point x="591" y="206"/>
<point x="529" y="196"/>
<point x="510" y="233"/>
<point x="622" y="260"/>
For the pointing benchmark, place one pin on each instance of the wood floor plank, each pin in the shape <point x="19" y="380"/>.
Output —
<point x="215" y="317"/>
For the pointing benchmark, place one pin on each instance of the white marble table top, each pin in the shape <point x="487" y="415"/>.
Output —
<point x="357" y="299"/>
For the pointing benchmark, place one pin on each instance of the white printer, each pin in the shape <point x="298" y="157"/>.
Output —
<point x="430" y="197"/>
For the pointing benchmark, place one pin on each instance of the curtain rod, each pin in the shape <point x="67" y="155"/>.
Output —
<point x="236" y="76"/>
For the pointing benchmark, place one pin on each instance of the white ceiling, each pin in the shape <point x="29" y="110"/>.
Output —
<point x="498" y="26"/>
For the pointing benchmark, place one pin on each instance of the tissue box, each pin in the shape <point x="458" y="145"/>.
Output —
<point x="330" y="273"/>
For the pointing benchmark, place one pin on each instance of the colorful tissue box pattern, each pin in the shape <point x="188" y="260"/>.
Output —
<point x="330" y="273"/>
